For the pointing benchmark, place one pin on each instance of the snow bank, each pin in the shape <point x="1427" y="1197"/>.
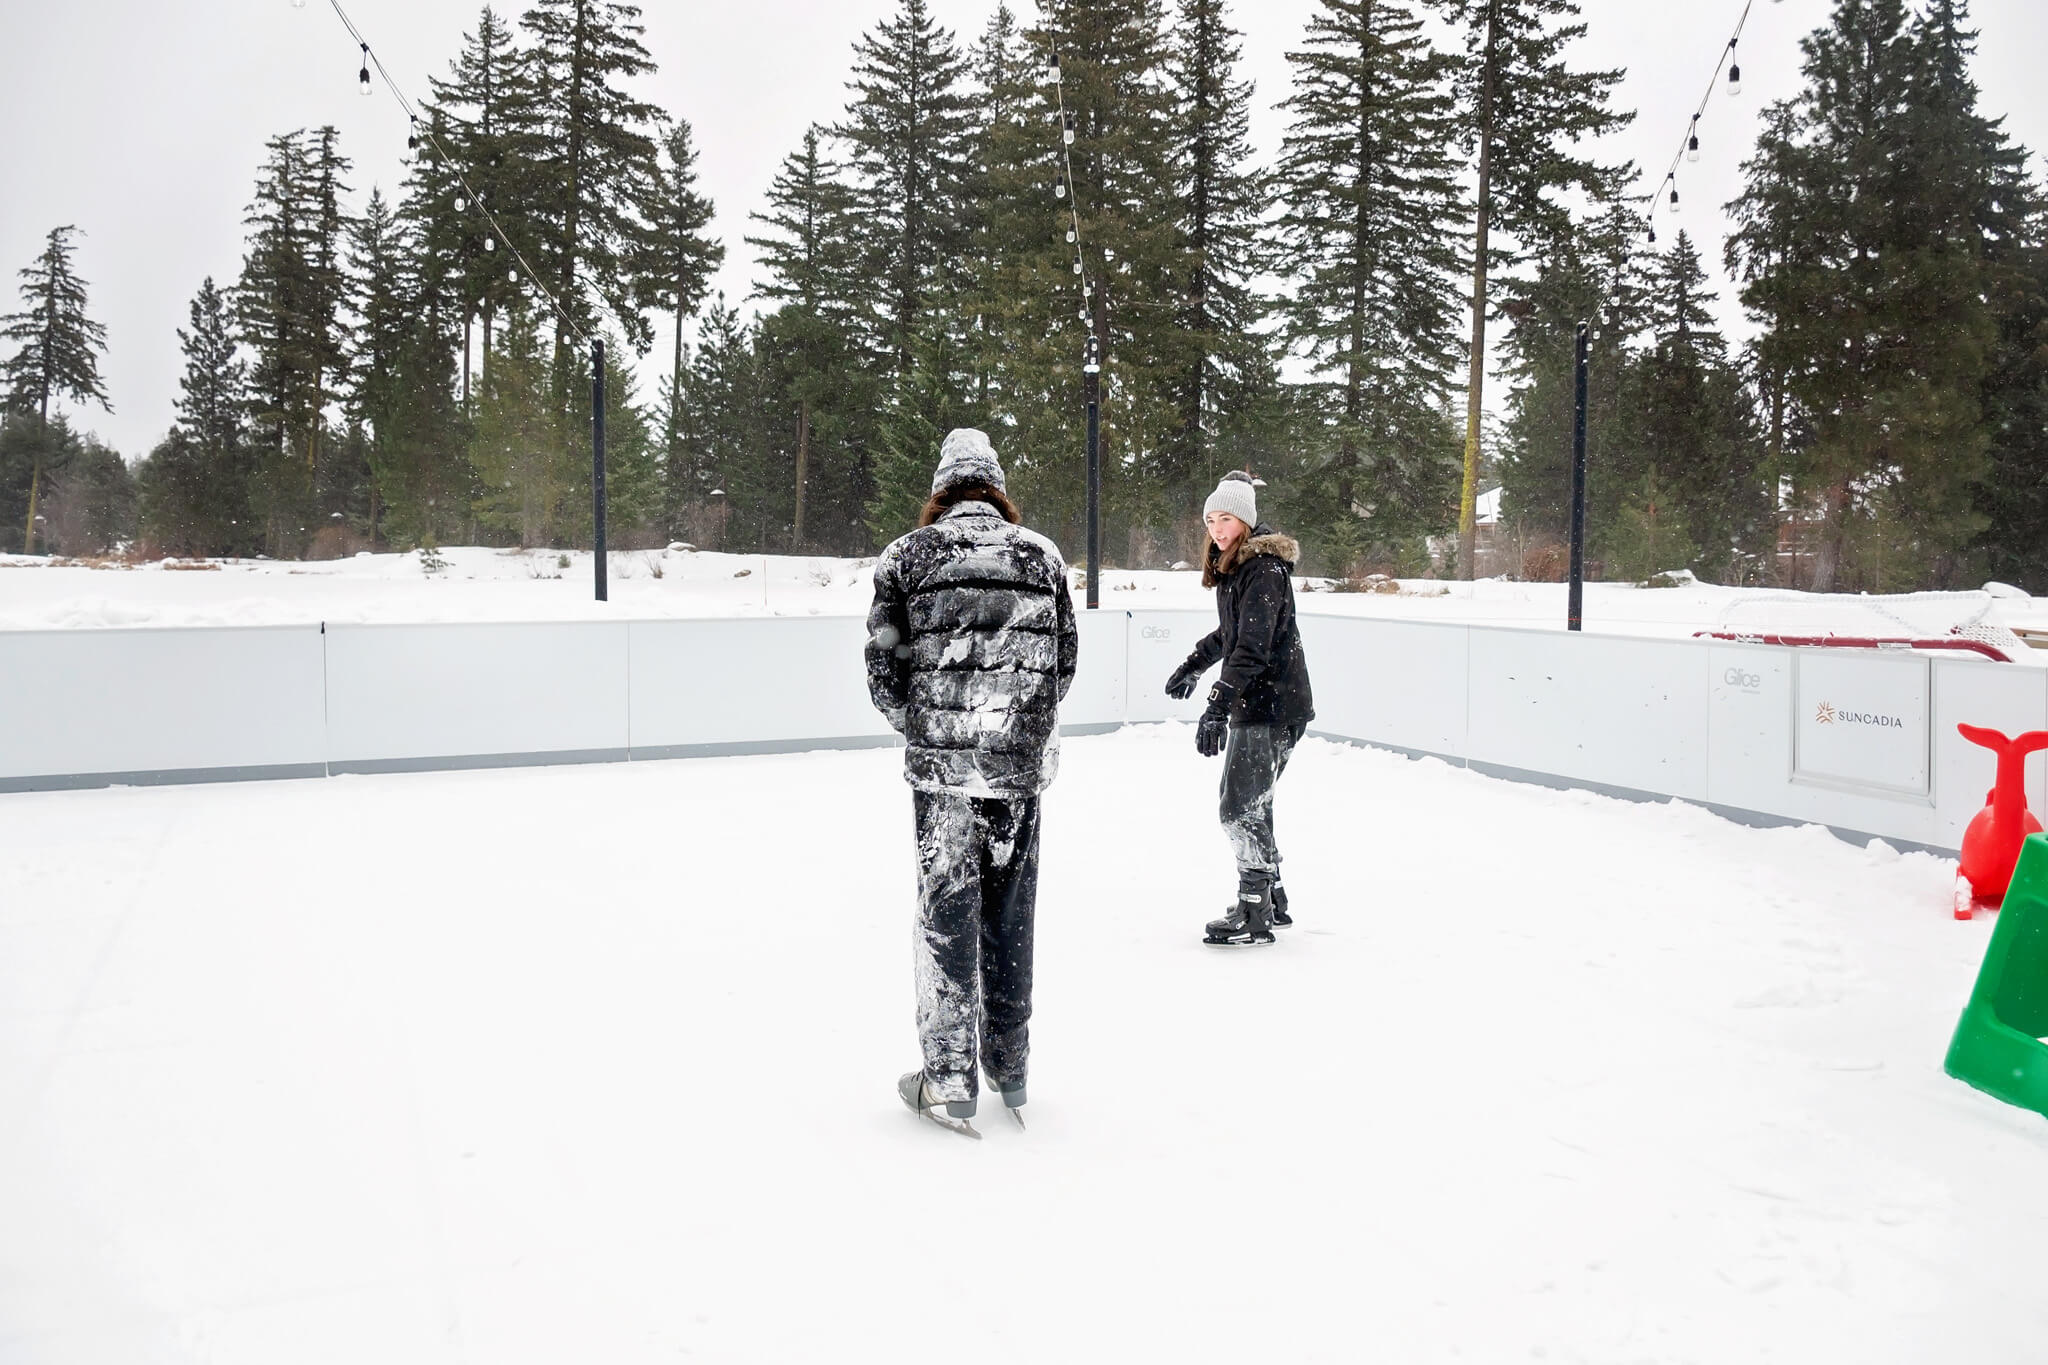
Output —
<point x="549" y="585"/>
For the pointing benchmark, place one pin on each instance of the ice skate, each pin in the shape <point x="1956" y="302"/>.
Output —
<point x="1247" y="925"/>
<point x="950" y="1114"/>
<point x="1281" y="919"/>
<point x="1013" y="1096"/>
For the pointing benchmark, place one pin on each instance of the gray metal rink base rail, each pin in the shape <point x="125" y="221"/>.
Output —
<point x="469" y="762"/>
<point x="1756" y="819"/>
<point x="160" y="777"/>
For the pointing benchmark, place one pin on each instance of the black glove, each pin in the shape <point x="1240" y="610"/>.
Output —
<point x="1181" y="685"/>
<point x="1214" y="727"/>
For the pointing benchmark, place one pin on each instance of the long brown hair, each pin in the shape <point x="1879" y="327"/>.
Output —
<point x="969" y="492"/>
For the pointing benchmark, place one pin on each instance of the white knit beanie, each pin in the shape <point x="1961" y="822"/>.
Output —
<point x="1236" y="496"/>
<point x="967" y="457"/>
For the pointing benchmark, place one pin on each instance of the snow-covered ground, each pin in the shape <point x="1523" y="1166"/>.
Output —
<point x="548" y="585"/>
<point x="597" y="1064"/>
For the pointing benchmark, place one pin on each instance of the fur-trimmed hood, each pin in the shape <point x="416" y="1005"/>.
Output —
<point x="1263" y="540"/>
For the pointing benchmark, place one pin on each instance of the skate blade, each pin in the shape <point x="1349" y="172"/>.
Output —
<point x="944" y="1120"/>
<point x="1265" y="942"/>
<point x="1018" y="1114"/>
<point x="951" y="1124"/>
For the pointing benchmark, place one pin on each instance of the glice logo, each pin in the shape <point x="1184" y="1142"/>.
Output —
<point x="1748" y="682"/>
<point x="1156" y="633"/>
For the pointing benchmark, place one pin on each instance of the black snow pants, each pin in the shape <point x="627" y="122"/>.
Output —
<point x="977" y="892"/>
<point x="1252" y="764"/>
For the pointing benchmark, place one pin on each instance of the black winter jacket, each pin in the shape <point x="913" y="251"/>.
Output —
<point x="971" y="647"/>
<point x="1265" y="673"/>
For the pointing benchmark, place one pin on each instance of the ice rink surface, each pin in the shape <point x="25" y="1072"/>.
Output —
<point x="596" y="1064"/>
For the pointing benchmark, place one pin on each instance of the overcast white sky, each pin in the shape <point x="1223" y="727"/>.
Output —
<point x="143" y="121"/>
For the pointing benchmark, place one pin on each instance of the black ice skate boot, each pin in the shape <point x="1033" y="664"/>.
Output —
<point x="913" y="1090"/>
<point x="1281" y="919"/>
<point x="1012" y="1093"/>
<point x="1248" y="924"/>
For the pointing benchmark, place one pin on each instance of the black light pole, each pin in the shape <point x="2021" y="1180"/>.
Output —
<point x="597" y="454"/>
<point x="1575" y="605"/>
<point x="1091" y="369"/>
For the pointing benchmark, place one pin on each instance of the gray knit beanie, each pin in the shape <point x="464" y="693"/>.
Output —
<point x="1236" y="496"/>
<point x="967" y="457"/>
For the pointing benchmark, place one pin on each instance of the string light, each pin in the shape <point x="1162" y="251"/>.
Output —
<point x="1689" y="141"/>
<point x="469" y="194"/>
<point x="1073" y="202"/>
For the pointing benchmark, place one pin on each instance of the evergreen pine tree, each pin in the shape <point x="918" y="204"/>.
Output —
<point x="811" y="264"/>
<point x="594" y="142"/>
<point x="288" y="306"/>
<point x="1114" y="83"/>
<point x="678" y="257"/>
<point x="1527" y="115"/>
<point x="750" y="499"/>
<point x="1222" y="201"/>
<point x="57" y="357"/>
<point x="1688" y="419"/>
<point x="482" y="117"/>
<point x="1863" y="247"/>
<point x="522" y="473"/>
<point x="194" y="487"/>
<point x="908" y="139"/>
<point x="1370" y="229"/>
<point x="1595" y="277"/>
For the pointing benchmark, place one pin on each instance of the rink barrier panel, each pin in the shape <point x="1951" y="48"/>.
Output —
<point x="1705" y="721"/>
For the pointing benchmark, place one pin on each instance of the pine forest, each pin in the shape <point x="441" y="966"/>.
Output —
<point x="407" y="366"/>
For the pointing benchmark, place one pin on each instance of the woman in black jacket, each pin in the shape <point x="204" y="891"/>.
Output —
<point x="1259" y="707"/>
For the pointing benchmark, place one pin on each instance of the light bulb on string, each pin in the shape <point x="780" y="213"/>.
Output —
<point x="363" y="76"/>
<point x="1734" y="70"/>
<point x="1672" y="205"/>
<point x="1052" y="70"/>
<point x="1070" y="235"/>
<point x="1692" y="143"/>
<point x="490" y="244"/>
<point x="1068" y="130"/>
<point x="1059" y="191"/>
<point x="461" y="204"/>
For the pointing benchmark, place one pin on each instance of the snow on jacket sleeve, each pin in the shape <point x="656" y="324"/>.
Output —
<point x="1258" y="622"/>
<point x="1069" y="636"/>
<point x="888" y="648"/>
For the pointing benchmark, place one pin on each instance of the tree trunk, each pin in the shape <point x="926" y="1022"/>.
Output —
<point x="1827" y="559"/>
<point x="468" y="318"/>
<point x="35" y="483"/>
<point x="803" y="468"/>
<point x="1468" y="502"/>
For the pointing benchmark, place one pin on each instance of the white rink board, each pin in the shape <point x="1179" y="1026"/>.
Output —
<point x="1861" y="722"/>
<point x="1609" y="709"/>
<point x="174" y="701"/>
<point x="1157" y="642"/>
<point x="398" y="693"/>
<point x="1705" y="721"/>
<point x="734" y="681"/>
<point x="1401" y="684"/>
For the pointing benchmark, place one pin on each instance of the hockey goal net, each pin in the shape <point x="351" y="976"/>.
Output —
<point x="1947" y="621"/>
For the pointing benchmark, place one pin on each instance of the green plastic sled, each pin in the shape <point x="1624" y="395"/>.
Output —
<point x="1997" y="1046"/>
